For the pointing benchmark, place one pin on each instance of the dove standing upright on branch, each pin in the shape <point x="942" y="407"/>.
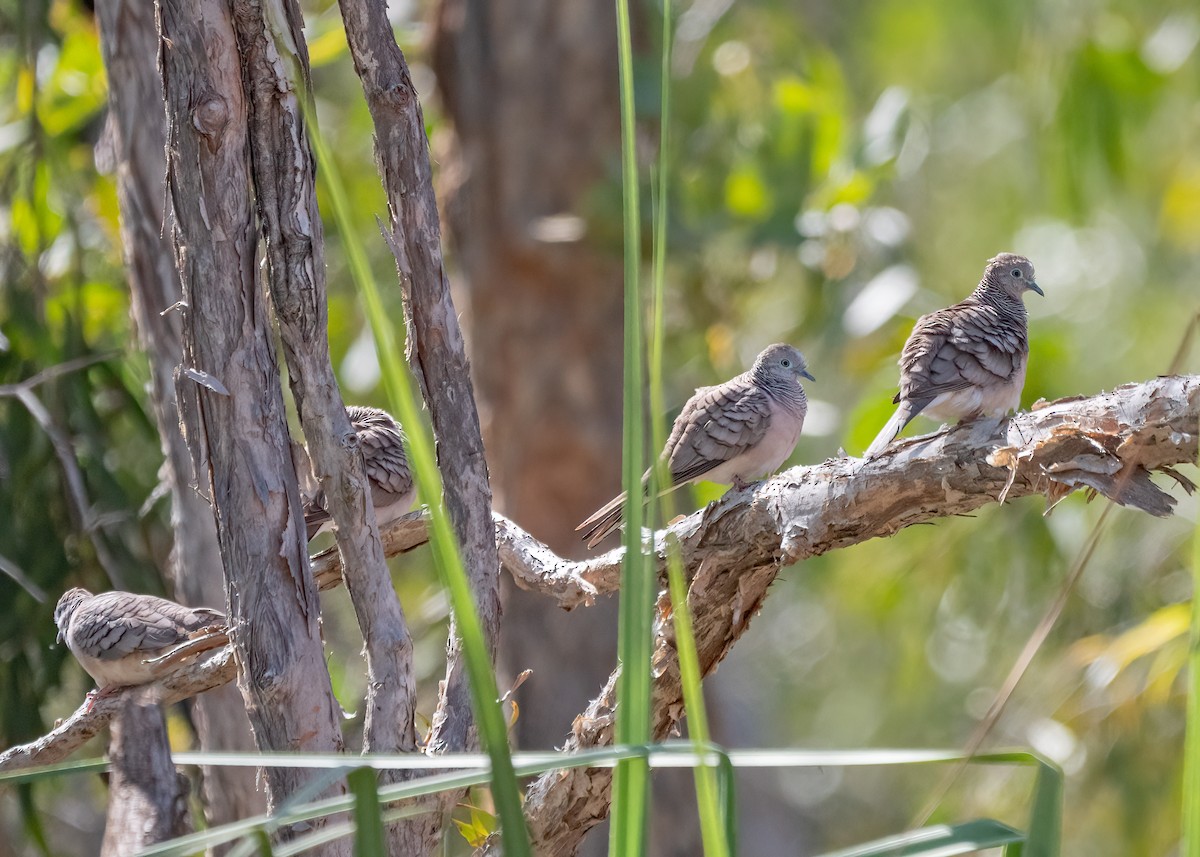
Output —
<point x="386" y="464"/>
<point x="968" y="360"/>
<point x="115" y="635"/>
<point x="732" y="433"/>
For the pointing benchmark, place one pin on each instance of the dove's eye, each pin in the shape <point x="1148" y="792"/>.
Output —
<point x="1017" y="273"/>
<point x="785" y="363"/>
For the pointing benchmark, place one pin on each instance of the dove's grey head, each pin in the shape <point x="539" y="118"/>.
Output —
<point x="781" y="362"/>
<point x="1011" y="274"/>
<point x="65" y="609"/>
<point x="365" y="418"/>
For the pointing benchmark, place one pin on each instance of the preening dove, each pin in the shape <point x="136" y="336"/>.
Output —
<point x="731" y="433"/>
<point x="968" y="360"/>
<point x="392" y="490"/>
<point x="113" y="635"/>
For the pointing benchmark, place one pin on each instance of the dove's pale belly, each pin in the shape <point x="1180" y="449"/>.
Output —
<point x="125" y="671"/>
<point x="992" y="400"/>
<point x="764" y="457"/>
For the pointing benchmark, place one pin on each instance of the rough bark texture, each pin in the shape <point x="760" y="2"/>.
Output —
<point x="236" y="423"/>
<point x="130" y="42"/>
<point x="147" y="800"/>
<point x="734" y="547"/>
<point x="275" y="70"/>
<point x="531" y="89"/>
<point x="435" y="349"/>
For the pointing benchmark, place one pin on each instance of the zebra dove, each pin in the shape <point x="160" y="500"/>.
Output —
<point x="731" y="433"/>
<point x="114" y="634"/>
<point x="967" y="361"/>
<point x="386" y="464"/>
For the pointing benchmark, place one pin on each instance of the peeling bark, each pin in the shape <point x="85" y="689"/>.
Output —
<point x="435" y="351"/>
<point x="136" y="141"/>
<point x="231" y="399"/>
<point x="735" y="547"/>
<point x="275" y="63"/>
<point x="147" y="797"/>
<point x="531" y="87"/>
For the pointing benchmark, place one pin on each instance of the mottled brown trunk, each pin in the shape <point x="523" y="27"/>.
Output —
<point x="437" y="355"/>
<point x="147" y="800"/>
<point x="531" y="87"/>
<point x="231" y="398"/>
<point x="134" y="143"/>
<point x="285" y="188"/>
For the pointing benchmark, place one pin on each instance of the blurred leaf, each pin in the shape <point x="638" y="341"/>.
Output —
<point x="746" y="195"/>
<point x="938" y="841"/>
<point x="368" y="818"/>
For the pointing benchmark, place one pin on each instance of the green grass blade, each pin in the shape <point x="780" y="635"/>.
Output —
<point x="715" y="797"/>
<point x="938" y="841"/>
<point x="29" y="775"/>
<point x="263" y="843"/>
<point x="667" y="754"/>
<point x="506" y="791"/>
<point x="715" y="827"/>
<point x="1045" y="820"/>
<point x="1191" y="751"/>
<point x="368" y="815"/>
<point x="727" y="780"/>
<point x="631" y="781"/>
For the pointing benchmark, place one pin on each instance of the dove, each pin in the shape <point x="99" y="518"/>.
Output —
<point x="967" y="361"/>
<point x="113" y="635"/>
<point x="733" y="433"/>
<point x="392" y="491"/>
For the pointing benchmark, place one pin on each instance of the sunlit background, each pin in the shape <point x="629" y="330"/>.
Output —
<point x="838" y="169"/>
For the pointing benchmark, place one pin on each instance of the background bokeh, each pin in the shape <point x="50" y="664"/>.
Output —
<point x="838" y="169"/>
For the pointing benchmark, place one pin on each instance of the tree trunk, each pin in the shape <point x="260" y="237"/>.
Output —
<point x="147" y="800"/>
<point x="536" y="127"/>
<point x="437" y="354"/>
<point x="231" y="399"/>
<point x="129" y="41"/>
<point x="531" y="88"/>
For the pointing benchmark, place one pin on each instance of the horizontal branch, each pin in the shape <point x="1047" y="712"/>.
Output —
<point x="212" y="670"/>
<point x="734" y="548"/>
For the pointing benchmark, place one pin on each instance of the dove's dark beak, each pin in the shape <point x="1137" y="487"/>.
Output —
<point x="805" y="374"/>
<point x="1034" y="287"/>
<point x="59" y="639"/>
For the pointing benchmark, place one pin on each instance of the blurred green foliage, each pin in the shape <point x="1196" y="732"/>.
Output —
<point x="842" y="167"/>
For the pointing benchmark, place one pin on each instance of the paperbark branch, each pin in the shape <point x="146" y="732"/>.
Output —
<point x="134" y="143"/>
<point x="735" y="547"/>
<point x="147" y="797"/>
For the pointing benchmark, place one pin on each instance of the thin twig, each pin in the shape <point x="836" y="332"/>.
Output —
<point x="22" y="579"/>
<point x="84" y="514"/>
<point x="56" y="371"/>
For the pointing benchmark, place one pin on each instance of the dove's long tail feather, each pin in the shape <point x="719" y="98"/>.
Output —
<point x="605" y="520"/>
<point x="903" y="416"/>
